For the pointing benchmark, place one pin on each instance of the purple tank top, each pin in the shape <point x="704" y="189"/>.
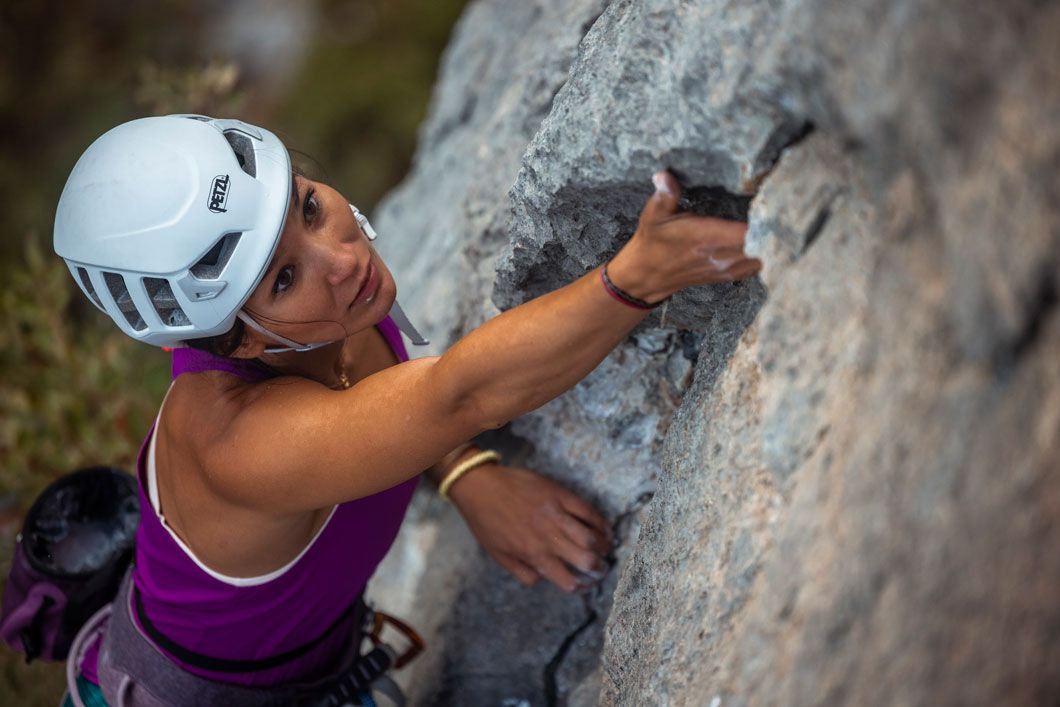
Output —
<point x="266" y="616"/>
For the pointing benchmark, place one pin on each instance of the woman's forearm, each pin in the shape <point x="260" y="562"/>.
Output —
<point x="532" y="353"/>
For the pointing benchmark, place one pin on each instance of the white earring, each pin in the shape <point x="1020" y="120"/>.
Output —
<point x="362" y="221"/>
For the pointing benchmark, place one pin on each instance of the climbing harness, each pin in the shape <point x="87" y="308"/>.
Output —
<point x="132" y="668"/>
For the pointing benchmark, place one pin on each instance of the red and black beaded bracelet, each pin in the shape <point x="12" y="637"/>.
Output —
<point x="624" y="297"/>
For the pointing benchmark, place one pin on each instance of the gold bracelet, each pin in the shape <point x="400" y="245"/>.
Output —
<point x="465" y="466"/>
<point x="452" y="456"/>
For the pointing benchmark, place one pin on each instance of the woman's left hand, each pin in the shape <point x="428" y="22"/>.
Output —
<point x="533" y="527"/>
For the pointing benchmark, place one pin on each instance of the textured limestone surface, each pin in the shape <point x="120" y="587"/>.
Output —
<point x="838" y="483"/>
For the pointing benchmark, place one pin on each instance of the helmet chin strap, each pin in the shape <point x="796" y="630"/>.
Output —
<point x="396" y="312"/>
<point x="288" y="344"/>
<point x="406" y="327"/>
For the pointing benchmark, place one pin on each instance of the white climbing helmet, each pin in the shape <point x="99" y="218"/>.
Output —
<point x="168" y="223"/>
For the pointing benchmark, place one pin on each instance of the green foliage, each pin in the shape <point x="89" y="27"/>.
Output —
<point x="209" y="91"/>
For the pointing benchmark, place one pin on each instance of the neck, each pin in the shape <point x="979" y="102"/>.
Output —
<point x="323" y="365"/>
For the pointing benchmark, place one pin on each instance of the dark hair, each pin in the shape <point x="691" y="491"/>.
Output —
<point x="221" y="344"/>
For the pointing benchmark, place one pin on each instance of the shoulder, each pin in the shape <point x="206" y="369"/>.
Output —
<point x="203" y="409"/>
<point x="233" y="431"/>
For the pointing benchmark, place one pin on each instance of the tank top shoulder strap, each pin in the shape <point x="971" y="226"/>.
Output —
<point x="392" y="334"/>
<point x="188" y="360"/>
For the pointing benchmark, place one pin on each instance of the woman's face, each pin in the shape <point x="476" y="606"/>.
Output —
<point x="325" y="280"/>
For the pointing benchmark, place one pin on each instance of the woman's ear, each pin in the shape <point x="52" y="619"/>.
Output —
<point x="253" y="345"/>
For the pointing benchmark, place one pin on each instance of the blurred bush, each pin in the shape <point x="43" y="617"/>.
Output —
<point x="74" y="391"/>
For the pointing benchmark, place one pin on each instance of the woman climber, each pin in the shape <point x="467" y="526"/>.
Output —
<point x="287" y="448"/>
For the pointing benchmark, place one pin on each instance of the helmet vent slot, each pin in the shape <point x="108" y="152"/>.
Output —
<point x="86" y="284"/>
<point x="211" y="265"/>
<point x="124" y="301"/>
<point x="244" y="151"/>
<point x="166" y="305"/>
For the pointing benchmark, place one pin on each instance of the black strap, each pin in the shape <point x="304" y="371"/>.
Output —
<point x="359" y="678"/>
<point x="228" y="665"/>
<point x="31" y="635"/>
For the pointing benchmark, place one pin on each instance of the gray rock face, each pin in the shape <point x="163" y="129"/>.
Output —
<point x="836" y="484"/>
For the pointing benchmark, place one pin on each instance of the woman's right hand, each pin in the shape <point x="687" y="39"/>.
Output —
<point x="672" y="249"/>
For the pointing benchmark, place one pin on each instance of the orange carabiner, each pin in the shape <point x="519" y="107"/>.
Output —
<point x="416" y="644"/>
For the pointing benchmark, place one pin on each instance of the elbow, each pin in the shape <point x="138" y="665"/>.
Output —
<point x="480" y="414"/>
<point x="477" y="406"/>
<point x="494" y="424"/>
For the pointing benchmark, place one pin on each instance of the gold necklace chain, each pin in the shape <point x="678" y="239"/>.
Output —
<point x="344" y="382"/>
<point x="340" y="371"/>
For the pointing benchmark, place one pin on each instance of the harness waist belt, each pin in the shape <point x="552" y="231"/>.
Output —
<point x="230" y="665"/>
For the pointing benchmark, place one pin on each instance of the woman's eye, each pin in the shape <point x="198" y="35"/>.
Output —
<point x="284" y="279"/>
<point x="310" y="206"/>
